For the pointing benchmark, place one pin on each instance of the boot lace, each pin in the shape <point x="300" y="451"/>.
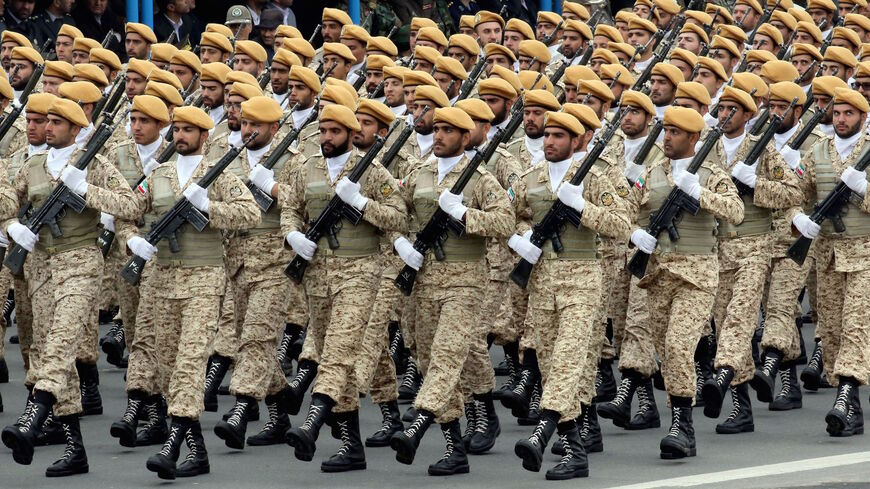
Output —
<point x="815" y="362"/>
<point x="132" y="412"/>
<point x="770" y="364"/>
<point x="448" y="451"/>
<point x="537" y="437"/>
<point x="283" y="348"/>
<point x="416" y="426"/>
<point x="569" y="453"/>
<point x="842" y="403"/>
<point x="643" y="400"/>
<point x="28" y="408"/>
<point x="482" y="420"/>
<point x="471" y="418"/>
<point x="622" y="393"/>
<point x="785" y="378"/>
<point x="301" y="374"/>
<point x="191" y="446"/>
<point x="675" y="422"/>
<point x="171" y="440"/>
<point x="70" y="443"/>
<point x="239" y="410"/>
<point x="410" y="378"/>
<point x="313" y="413"/>
<point x="345" y="438"/>
<point x="735" y="410"/>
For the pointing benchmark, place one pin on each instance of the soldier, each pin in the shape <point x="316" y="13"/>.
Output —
<point x="161" y="54"/>
<point x="63" y="43"/>
<point x="449" y="73"/>
<point x="394" y="94"/>
<point x="375" y="65"/>
<point x="573" y="75"/>
<point x="821" y="10"/>
<point x="548" y="29"/>
<point x="625" y="80"/>
<point x="376" y="45"/>
<point x="339" y="55"/>
<point x="23" y="63"/>
<point x="712" y="75"/>
<point x="768" y="38"/>
<point x="137" y="42"/>
<point x="726" y="53"/>
<point x="279" y="77"/>
<point x="107" y="61"/>
<point x="533" y="50"/>
<point x="663" y="86"/>
<point x="808" y="33"/>
<point x="802" y="57"/>
<point x="433" y="38"/>
<point x="212" y="85"/>
<point x="184" y="65"/>
<point x="601" y="56"/>
<point x="574" y="41"/>
<point x="498" y="55"/>
<point x="692" y="38"/>
<point x="605" y="34"/>
<point x="249" y="57"/>
<point x="463" y="49"/>
<point x="846" y="38"/>
<point x="640" y="31"/>
<point x="332" y="21"/>
<point x="486" y="29"/>
<point x="747" y="13"/>
<point x="355" y="38"/>
<point x="68" y="267"/>
<point x="515" y="32"/>
<point x="81" y="49"/>
<point x="214" y="48"/>
<point x="596" y="95"/>
<point x="9" y="41"/>
<point x="839" y="62"/>
<point x="424" y="58"/>
<point x="823" y="88"/>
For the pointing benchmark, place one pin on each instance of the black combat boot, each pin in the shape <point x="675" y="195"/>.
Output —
<point x="163" y="462"/>
<point x="764" y="380"/>
<point x="409" y="414"/>
<point x="350" y="455"/>
<point x="518" y="399"/>
<point x="714" y="391"/>
<point x="89" y="380"/>
<point x="154" y="431"/>
<point x="74" y="459"/>
<point x="125" y="428"/>
<point x="740" y="419"/>
<point x="51" y="433"/>
<point x="306" y="370"/>
<point x="842" y="418"/>
<point x="605" y="382"/>
<point x="531" y="449"/>
<point x="647" y="415"/>
<point x="680" y="440"/>
<point x="590" y="430"/>
<point x="487" y="426"/>
<point x="4" y="374"/>
<point x="113" y="343"/>
<point x="392" y="423"/>
<point x="253" y="412"/>
<point x="278" y="423"/>
<point x="812" y="373"/>
<point x="619" y="409"/>
<point x="533" y="415"/>
<point x="396" y="347"/>
<point x="232" y="431"/>
<point x="217" y="368"/>
<point x="854" y="419"/>
<point x="455" y="460"/>
<point x="411" y="380"/>
<point x="574" y="462"/>
<point x="287" y="348"/>
<point x="21" y="437"/>
<point x="196" y="461"/>
<point x="511" y="356"/>
<point x="470" y="423"/>
<point x="105" y="316"/>
<point x="790" y="395"/>
<point x="405" y="442"/>
<point x="303" y="437"/>
<point x="705" y="352"/>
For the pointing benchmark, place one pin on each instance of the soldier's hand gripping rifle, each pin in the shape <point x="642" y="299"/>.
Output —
<point x="551" y="226"/>
<point x="337" y="210"/>
<point x="664" y="219"/>
<point x="18" y="105"/>
<point x="436" y="230"/>
<point x="62" y="197"/>
<point x="182" y="212"/>
<point x="760" y="145"/>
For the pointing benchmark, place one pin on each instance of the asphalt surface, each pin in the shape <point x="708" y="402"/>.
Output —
<point x="753" y="460"/>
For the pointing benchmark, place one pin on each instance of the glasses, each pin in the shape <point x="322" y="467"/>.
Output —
<point x="863" y="87"/>
<point x="233" y="105"/>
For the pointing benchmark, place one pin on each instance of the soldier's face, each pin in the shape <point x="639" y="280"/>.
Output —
<point x="357" y="48"/>
<point x="462" y="56"/>
<point x="544" y="30"/>
<point x="478" y="134"/>
<point x="243" y="62"/>
<point x="448" y="140"/>
<point x="279" y="77"/>
<point x="23" y="71"/>
<point x="409" y="98"/>
<point x="677" y="144"/>
<point x="725" y="59"/>
<point x="63" y="47"/>
<point x="559" y="144"/>
<point x="572" y="42"/>
<point x="765" y="43"/>
<point x="233" y="107"/>
<point x="36" y="128"/>
<point x="683" y="66"/>
<point x="709" y="79"/>
<point x="107" y="70"/>
<point x="331" y="31"/>
<point x="369" y="127"/>
<point x="208" y="54"/>
<point x="802" y="63"/>
<point x="135" y="85"/>
<point x="341" y="66"/>
<point x="640" y="10"/>
<point x="188" y="138"/>
<point x="805" y="38"/>
<point x="689" y="41"/>
<point x="638" y="37"/>
<point x="335" y="139"/>
<point x="848" y="120"/>
<point x="778" y="107"/>
<point x="622" y="27"/>
<point x="664" y="19"/>
<point x="498" y="60"/>
<point x="394" y="96"/>
<point x="135" y="46"/>
<point x="489" y="32"/>
<point x="212" y="94"/>
<point x="831" y="68"/>
<point x="617" y="88"/>
<point x="59" y="132"/>
<point x="745" y="15"/>
<point x="428" y="44"/>
<point x="661" y="90"/>
<point x="819" y="14"/>
<point x="533" y="121"/>
<point x="840" y="42"/>
<point x="600" y="42"/>
<point x="594" y="103"/>
<point x="79" y="57"/>
<point x="862" y="84"/>
<point x="512" y="40"/>
<point x="635" y="122"/>
<point x="595" y="65"/>
<point x="498" y="106"/>
<point x="468" y="31"/>
<point x="690" y="103"/>
<point x="184" y="74"/>
<point x="782" y="28"/>
<point x="738" y="122"/>
<point x="145" y="129"/>
<point x="51" y="84"/>
<point x="570" y="93"/>
<point x="265" y="132"/>
<point x="373" y="79"/>
<point x="822" y="101"/>
<point x="6" y="54"/>
<point x="423" y="125"/>
<point x="301" y="94"/>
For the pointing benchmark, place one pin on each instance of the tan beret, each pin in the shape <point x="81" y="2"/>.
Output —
<point x="507" y="75"/>
<point x="498" y="87"/>
<point x="669" y="71"/>
<point x="720" y="42"/>
<point x="286" y="57"/>
<point x="466" y="21"/>
<point x="714" y="66"/>
<point x="740" y="97"/>
<point x="245" y="91"/>
<point x="433" y="94"/>
<point x="863" y="70"/>
<point x="355" y="33"/>
<point x="531" y="80"/>
<point x="378" y="62"/>
<point x="162" y="52"/>
<point x="375" y="109"/>
<point x="25" y="53"/>
<point x="696" y="30"/>
<point x="39" y="103"/>
<point x="418" y="23"/>
<point x="337" y="95"/>
<point x="106" y="57"/>
<point x="493" y="49"/>
<point x="299" y="46"/>
<point x="847" y="35"/>
<point x="683" y="118"/>
<point x="857" y="20"/>
<point x="19" y="39"/>
<point x="340" y="114"/>
<point x="91" y="73"/>
<point x="165" y="77"/>
<point x="860" y="3"/>
<point x="564" y="121"/>
<point x="219" y="29"/>
<point x="6" y="89"/>
<point x="625" y="77"/>
<point x="288" y="31"/>
<point x="188" y="59"/>
<point x="784" y="5"/>
<point x="165" y="92"/>
<point x="597" y="89"/>
<point x="396" y="72"/>
<point x="621" y="47"/>
<point x="826" y="85"/>
<point x="851" y="97"/>
<point x="151" y="106"/>
<point x="576" y="9"/>
<point x="193" y="116"/>
<point x="376" y="43"/>
<point x="733" y="33"/>
<point x="865" y="50"/>
<point x="414" y="78"/>
<point x="748" y="81"/>
<point x="255" y="50"/>
<point x="486" y="16"/>
<point x="262" y="109"/>
<point x="521" y="26"/>
<point x="772" y="32"/>
<point x="70" y="31"/>
<point x="141" y="66"/>
<point x="454" y="116"/>
<point x="573" y="75"/>
<point x="759" y="56"/>
<point x="822" y="4"/>
<point x="777" y="71"/>
<point x="788" y="91"/>
<point x="801" y="15"/>
<point x="549" y="17"/>
<point x="450" y="67"/>
<point x="685" y="55"/>
<point x="584" y="114"/>
<point x="701" y="17"/>
<point x="426" y="53"/>
<point x="217" y="41"/>
<point x="608" y="56"/>
<point x="753" y="4"/>
<point x="669" y="6"/>
<point x="476" y="109"/>
<point x="336" y="15"/>
<point x="464" y="42"/>
<point x="578" y="26"/>
<point x="799" y="48"/>
<point x="307" y="76"/>
<point x="69" y="110"/>
<point x="837" y="55"/>
<point x="84" y="44"/>
<point x="609" y="32"/>
<point x="432" y="34"/>
<point x="80" y="92"/>
<point x="785" y="18"/>
<point x="811" y="29"/>
<point x="59" y="69"/>
<point x="631" y="98"/>
<point x="541" y="98"/>
<point x="141" y="29"/>
<point x="647" y="3"/>
<point x="347" y="87"/>
<point x="694" y="91"/>
<point x="638" y="23"/>
<point x="724" y="15"/>
<point x="216" y="71"/>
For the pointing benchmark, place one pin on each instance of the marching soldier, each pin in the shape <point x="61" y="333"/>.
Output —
<point x="214" y="48"/>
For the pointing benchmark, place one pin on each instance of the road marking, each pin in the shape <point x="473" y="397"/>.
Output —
<point x="757" y="471"/>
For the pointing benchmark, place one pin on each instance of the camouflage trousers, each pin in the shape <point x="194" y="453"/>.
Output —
<point x="375" y="371"/>
<point x="787" y="279"/>
<point x="638" y="346"/>
<point x="63" y="290"/>
<point x="478" y="376"/>
<point x="5" y="285"/>
<point x="127" y="295"/>
<point x="509" y="322"/>
<point x="566" y="315"/>
<point x="88" y="346"/>
<point x="24" y="324"/>
<point x="143" y="364"/>
<point x="615" y="288"/>
<point x="226" y="340"/>
<point x="297" y="310"/>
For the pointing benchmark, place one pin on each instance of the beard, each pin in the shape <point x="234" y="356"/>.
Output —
<point x="331" y="151"/>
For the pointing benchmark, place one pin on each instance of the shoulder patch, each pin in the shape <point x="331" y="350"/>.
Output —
<point x="513" y="177"/>
<point x="607" y="199"/>
<point x="622" y="191"/>
<point x="778" y="173"/>
<point x="235" y="191"/>
<point x="721" y="188"/>
<point x="491" y="197"/>
<point x="386" y="189"/>
<point x="113" y="182"/>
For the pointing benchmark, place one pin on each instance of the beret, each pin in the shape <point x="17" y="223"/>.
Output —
<point x="584" y="114"/>
<point x="863" y="69"/>
<point x="608" y="56"/>
<point x="549" y="17"/>
<point x="413" y="78"/>
<point x="530" y="80"/>
<point x="801" y="15"/>
<point x="740" y="97"/>
<point x="433" y="94"/>
<point x="609" y="72"/>
<point x="300" y="47"/>
<point x="396" y="72"/>
<point x="466" y="21"/>
<point x="59" y="69"/>
<point x="785" y="18"/>
<point x="714" y="66"/>
<point x="375" y="109"/>
<point x="464" y="42"/>
<point x="724" y="16"/>
<point x="80" y="92"/>
<point x="720" y="42"/>
<point x="347" y="87"/>
<point x="669" y="71"/>
<point x="162" y="52"/>
<point x="851" y="97"/>
<point x="337" y="95"/>
<point x="39" y="103"/>
<point x="340" y="114"/>
<point x="564" y="121"/>
<point x="697" y="30"/>
<point x="648" y="3"/>
<point x="811" y="29"/>
<point x="69" y="30"/>
<point x="822" y="4"/>
<point x="245" y="91"/>
<point x="336" y="15"/>
<point x="759" y="56"/>
<point x="685" y="55"/>
<point x="262" y="109"/>
<point x="193" y="116"/>
<point x="286" y="57"/>
<point x="451" y="67"/>
<point x="376" y="43"/>
<point x="84" y="44"/>
<point x="378" y="62"/>
<point x="220" y="29"/>
<point x="141" y="67"/>
<point x="418" y="23"/>
<point x="857" y="20"/>
<point x="609" y="32"/>
<point x="216" y="71"/>
<point x="733" y="33"/>
<point x="19" y="39"/>
<point x="683" y="118"/>
<point x="702" y="17"/>
<point x="141" y="29"/>
<point x="787" y="91"/>
<point x="752" y="4"/>
<point x="486" y="16"/>
<point x="837" y="55"/>
<point x="507" y="75"/>
<point x="476" y="109"/>
<point x="217" y="41"/>
<point x="307" y="76"/>
<point x="255" y="50"/>
<point x="288" y="31"/>
<point x="669" y="6"/>
<point x="165" y="92"/>
<point x="861" y="3"/>
<point x="865" y="50"/>
<point x="748" y="81"/>
<point x="493" y="48"/>
<point x="825" y="85"/>
<point x="188" y="59"/>
<point x="694" y="91"/>
<point x="29" y="54"/>
<point x="638" y="23"/>
<point x="624" y="16"/>
<point x="777" y="71"/>
<point x="69" y="110"/>
<point x="541" y="98"/>
<point x="573" y="75"/>
<point x="498" y="87"/>
<point x="151" y="106"/>
<point x="432" y="34"/>
<point x="425" y="53"/>
<point x="597" y="89"/>
<point x="106" y="57"/>
<point x="622" y="47"/>
<point x="848" y="35"/>
<point x="334" y="48"/>
<point x="165" y="77"/>
<point x="631" y="98"/>
<point x="454" y="116"/>
<point x="578" y="26"/>
<point x="784" y="5"/>
<point x="6" y="89"/>
<point x="535" y="49"/>
<point x="91" y="73"/>
<point x="799" y="48"/>
<point x="772" y="32"/>
<point x="577" y="9"/>
<point x="355" y="32"/>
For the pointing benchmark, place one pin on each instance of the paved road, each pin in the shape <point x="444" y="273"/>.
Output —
<point x="786" y="450"/>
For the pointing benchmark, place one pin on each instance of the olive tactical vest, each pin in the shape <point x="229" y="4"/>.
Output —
<point x="857" y="222"/>
<point x="756" y="221"/>
<point x="127" y="163"/>
<point x="578" y="243"/>
<point x="270" y="221"/>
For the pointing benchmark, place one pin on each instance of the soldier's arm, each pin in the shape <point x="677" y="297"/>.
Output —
<point x="385" y="209"/>
<point x="807" y="182"/>
<point x="406" y="191"/>
<point x="604" y="211"/>
<point x="521" y="206"/>
<point x="235" y="207"/>
<point x="19" y="185"/>
<point x="8" y="196"/>
<point x="495" y="216"/>
<point x="293" y="198"/>
<point x="109" y="192"/>
<point x="777" y="186"/>
<point x="127" y="228"/>
<point x="720" y="197"/>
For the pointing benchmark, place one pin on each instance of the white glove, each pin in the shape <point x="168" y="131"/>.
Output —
<point x="197" y="196"/>
<point x="349" y="192"/>
<point x="632" y="171"/>
<point x="855" y="180"/>
<point x="525" y="248"/>
<point x="407" y="253"/>
<point x="303" y="246"/>
<point x="572" y="196"/>
<point x="75" y="179"/>
<point x="744" y="173"/>
<point x="806" y="226"/>
<point x="141" y="247"/>
<point x="3" y="241"/>
<point x="688" y="182"/>
<point x="22" y="235"/>
<point x="452" y="205"/>
<point x="149" y="167"/>
<point x="644" y="241"/>
<point x="108" y="221"/>
<point x="791" y="156"/>
<point x="263" y="178"/>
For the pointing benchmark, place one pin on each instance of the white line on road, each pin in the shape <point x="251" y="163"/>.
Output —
<point x="757" y="471"/>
